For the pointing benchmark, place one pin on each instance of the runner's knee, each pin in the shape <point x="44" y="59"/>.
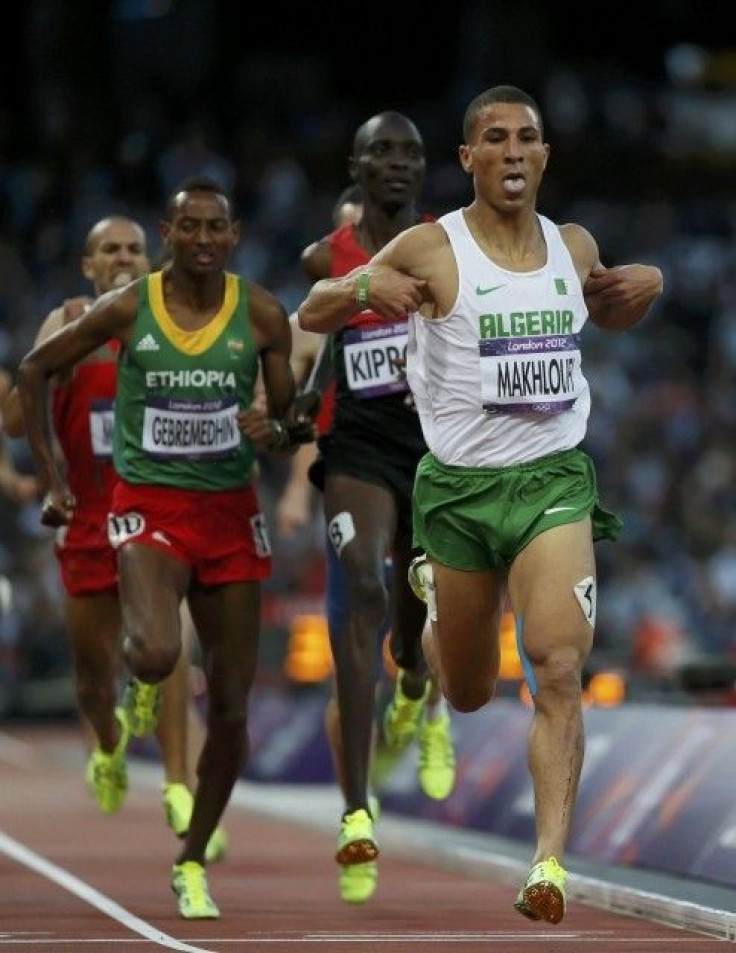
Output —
<point x="368" y="595"/>
<point x="150" y="663"/>
<point x="558" y="674"/>
<point x="469" y="694"/>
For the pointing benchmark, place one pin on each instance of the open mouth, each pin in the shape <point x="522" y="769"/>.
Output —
<point x="514" y="183"/>
<point x="397" y="185"/>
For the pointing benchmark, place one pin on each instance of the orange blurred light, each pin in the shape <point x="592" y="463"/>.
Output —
<point x="606" y="689"/>
<point x="510" y="665"/>
<point x="308" y="654"/>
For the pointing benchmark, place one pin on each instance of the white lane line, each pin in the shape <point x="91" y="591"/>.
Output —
<point x="91" y="896"/>
<point x="522" y="938"/>
<point x="505" y="940"/>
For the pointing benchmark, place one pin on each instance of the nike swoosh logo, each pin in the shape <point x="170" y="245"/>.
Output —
<point x="487" y="291"/>
<point x="557" y="509"/>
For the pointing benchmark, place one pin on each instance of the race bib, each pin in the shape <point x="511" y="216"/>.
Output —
<point x="101" y="427"/>
<point x="530" y="375"/>
<point x="190" y="429"/>
<point x="375" y="360"/>
<point x="121" y="529"/>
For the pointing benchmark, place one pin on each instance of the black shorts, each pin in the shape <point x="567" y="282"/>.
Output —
<point x="394" y="471"/>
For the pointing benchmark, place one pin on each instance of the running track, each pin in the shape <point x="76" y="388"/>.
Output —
<point x="74" y="880"/>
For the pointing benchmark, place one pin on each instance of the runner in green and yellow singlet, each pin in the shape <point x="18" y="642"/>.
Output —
<point x="185" y="518"/>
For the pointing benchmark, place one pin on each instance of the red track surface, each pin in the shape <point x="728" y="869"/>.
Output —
<point x="276" y="889"/>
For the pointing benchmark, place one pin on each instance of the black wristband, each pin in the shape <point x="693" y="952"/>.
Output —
<point x="300" y="432"/>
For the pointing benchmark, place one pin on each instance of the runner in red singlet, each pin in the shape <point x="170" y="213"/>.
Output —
<point x="366" y="467"/>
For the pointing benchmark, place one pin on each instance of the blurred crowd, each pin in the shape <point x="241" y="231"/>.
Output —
<point x="646" y="165"/>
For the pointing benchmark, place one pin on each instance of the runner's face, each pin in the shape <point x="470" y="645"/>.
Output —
<point x="506" y="155"/>
<point x="201" y="234"/>
<point x="119" y="256"/>
<point x="391" y="166"/>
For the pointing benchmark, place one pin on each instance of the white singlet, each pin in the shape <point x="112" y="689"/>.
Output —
<point x="498" y="381"/>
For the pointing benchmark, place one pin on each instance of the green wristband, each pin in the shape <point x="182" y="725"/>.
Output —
<point x="361" y="288"/>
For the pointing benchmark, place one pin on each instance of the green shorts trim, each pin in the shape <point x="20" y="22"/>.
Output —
<point x="481" y="518"/>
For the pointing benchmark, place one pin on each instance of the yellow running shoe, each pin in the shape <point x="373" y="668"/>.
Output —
<point x="189" y="883"/>
<point x="142" y="703"/>
<point x="403" y="716"/>
<point x="436" y="758"/>
<point x="178" y="802"/>
<point x="216" y="846"/>
<point x="107" y="774"/>
<point x="358" y="882"/>
<point x="356" y="842"/>
<point x="543" y="895"/>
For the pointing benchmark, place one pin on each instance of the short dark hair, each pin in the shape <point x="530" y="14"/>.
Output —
<point x="498" y="94"/>
<point x="367" y="132"/>
<point x="93" y="235"/>
<point x="198" y="183"/>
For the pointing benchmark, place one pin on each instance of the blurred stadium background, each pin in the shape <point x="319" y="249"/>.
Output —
<point x="107" y="105"/>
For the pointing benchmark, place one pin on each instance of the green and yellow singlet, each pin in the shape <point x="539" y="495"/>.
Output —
<point x="179" y="393"/>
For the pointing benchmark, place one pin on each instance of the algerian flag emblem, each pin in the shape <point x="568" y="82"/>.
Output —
<point x="560" y="286"/>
